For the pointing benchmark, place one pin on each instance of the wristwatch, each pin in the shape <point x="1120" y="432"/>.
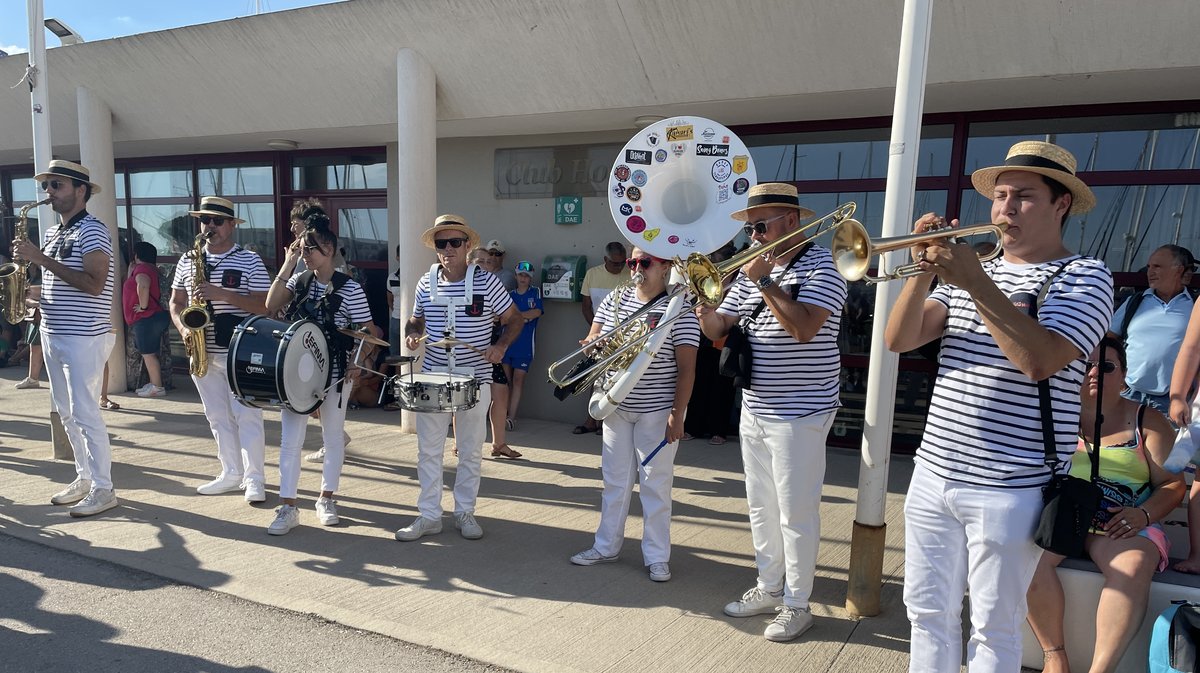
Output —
<point x="765" y="282"/>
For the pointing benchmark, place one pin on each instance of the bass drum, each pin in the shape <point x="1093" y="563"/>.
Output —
<point x="276" y="364"/>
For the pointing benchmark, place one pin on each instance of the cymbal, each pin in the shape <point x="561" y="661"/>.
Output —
<point x="451" y="342"/>
<point x="363" y="335"/>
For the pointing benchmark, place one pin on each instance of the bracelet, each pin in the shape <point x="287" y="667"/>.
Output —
<point x="1147" y="516"/>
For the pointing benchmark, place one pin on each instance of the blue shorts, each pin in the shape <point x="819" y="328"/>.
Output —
<point x="147" y="333"/>
<point x="518" y="360"/>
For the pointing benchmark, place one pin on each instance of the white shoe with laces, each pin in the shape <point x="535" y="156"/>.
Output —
<point x="255" y="492"/>
<point x="659" y="572"/>
<point x="327" y="511"/>
<point x="99" y="500"/>
<point x="287" y="517"/>
<point x="26" y="383"/>
<point x="317" y="456"/>
<point x="590" y="557"/>
<point x="76" y="491"/>
<point x="754" y="602"/>
<point x="467" y="525"/>
<point x="789" y="624"/>
<point x="420" y="527"/>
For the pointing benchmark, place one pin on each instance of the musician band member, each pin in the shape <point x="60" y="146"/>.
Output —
<point x="651" y="414"/>
<point x="76" y="297"/>
<point x="976" y="490"/>
<point x="235" y="287"/>
<point x="456" y="302"/>
<point x="788" y="302"/>
<point x="333" y="300"/>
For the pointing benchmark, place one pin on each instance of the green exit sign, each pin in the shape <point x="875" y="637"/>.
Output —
<point x="568" y="210"/>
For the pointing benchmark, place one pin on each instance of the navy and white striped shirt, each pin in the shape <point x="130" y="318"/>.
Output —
<point x="353" y="309"/>
<point x="655" y="390"/>
<point x="984" y="425"/>
<point x="472" y="322"/>
<point x="238" y="269"/>
<point x="67" y="310"/>
<point x="789" y="379"/>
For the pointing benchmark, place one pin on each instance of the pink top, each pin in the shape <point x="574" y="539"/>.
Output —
<point x="129" y="293"/>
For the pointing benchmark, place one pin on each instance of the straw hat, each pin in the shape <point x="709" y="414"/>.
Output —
<point x="772" y="195"/>
<point x="1048" y="159"/>
<point x="450" y="223"/>
<point x="68" y="169"/>
<point x="216" y="206"/>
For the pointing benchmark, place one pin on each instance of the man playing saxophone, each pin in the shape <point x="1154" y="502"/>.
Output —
<point x="231" y="283"/>
<point x="77" y="287"/>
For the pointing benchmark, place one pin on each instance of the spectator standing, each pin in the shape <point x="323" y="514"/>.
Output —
<point x="528" y="299"/>
<point x="145" y="314"/>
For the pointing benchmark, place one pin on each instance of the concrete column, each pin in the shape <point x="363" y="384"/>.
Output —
<point x="96" y="153"/>
<point x="413" y="197"/>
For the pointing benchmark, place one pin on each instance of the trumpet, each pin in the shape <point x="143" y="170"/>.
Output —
<point x="853" y="248"/>
<point x="702" y="279"/>
<point x="14" y="276"/>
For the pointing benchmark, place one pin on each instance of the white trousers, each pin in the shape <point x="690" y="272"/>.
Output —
<point x="784" y="462"/>
<point x="292" y="431"/>
<point x="75" y="366"/>
<point x="237" y="428"/>
<point x="959" y="537"/>
<point x="627" y="439"/>
<point x="470" y="426"/>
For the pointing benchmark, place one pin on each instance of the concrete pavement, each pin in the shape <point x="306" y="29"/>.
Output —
<point x="511" y="599"/>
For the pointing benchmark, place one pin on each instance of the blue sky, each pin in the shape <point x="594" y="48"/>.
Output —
<point x="103" y="19"/>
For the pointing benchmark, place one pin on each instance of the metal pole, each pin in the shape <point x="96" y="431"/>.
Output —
<point x="865" y="578"/>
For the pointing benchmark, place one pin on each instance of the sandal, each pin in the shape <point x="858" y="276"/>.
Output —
<point x="580" y="430"/>
<point x="109" y="404"/>
<point x="717" y="440"/>
<point x="504" y="451"/>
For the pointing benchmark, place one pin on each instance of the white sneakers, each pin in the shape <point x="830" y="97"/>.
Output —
<point x="255" y="492"/>
<point x="789" y="624"/>
<point x="419" y="528"/>
<point x="755" y="602"/>
<point x="287" y="517"/>
<point x="327" y="511"/>
<point x="27" y="383"/>
<point x="591" y="557"/>
<point x="78" y="490"/>
<point x="98" y="500"/>
<point x="151" y="390"/>
<point x="466" y="524"/>
<point x="317" y="456"/>
<point x="220" y="485"/>
<point x="659" y="572"/>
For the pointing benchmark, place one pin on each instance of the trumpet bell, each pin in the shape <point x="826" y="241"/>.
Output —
<point x="851" y="248"/>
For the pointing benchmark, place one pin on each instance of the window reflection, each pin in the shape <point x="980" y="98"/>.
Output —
<point x="244" y="180"/>
<point x="363" y="232"/>
<point x="257" y="233"/>
<point x="168" y="227"/>
<point x="1119" y="143"/>
<point x="332" y="172"/>
<point x="839" y="155"/>
<point x="160" y="183"/>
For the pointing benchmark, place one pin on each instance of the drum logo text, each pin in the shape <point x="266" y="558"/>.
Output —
<point x="255" y="369"/>
<point x="310" y="345"/>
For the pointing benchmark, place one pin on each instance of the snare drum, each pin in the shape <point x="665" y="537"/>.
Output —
<point x="436" y="392"/>
<point x="273" y="363"/>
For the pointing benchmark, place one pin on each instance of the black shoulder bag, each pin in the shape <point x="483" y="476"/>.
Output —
<point x="736" y="356"/>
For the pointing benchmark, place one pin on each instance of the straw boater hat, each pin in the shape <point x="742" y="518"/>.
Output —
<point x="1048" y="159"/>
<point x="217" y="207"/>
<point x="772" y="195"/>
<point x="450" y="223"/>
<point x="67" y="169"/>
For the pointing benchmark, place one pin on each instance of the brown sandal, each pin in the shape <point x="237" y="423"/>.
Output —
<point x="109" y="404"/>
<point x="504" y="451"/>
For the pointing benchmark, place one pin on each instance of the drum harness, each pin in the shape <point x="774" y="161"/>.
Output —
<point x="451" y="304"/>
<point x="322" y="311"/>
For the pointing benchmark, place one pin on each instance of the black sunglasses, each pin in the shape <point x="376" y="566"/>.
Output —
<point x="495" y="253"/>
<point x="1106" y="367"/>
<point x="760" y="227"/>
<point x="218" y="221"/>
<point x="309" y="248"/>
<point x="441" y="243"/>
<point x="54" y="184"/>
<point x="635" y="262"/>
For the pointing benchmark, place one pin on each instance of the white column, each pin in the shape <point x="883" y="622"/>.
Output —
<point x="413" y="196"/>
<point x="96" y="153"/>
<point x="39" y="106"/>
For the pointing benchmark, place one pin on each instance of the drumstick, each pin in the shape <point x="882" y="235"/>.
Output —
<point x="655" y="451"/>
<point x="451" y="343"/>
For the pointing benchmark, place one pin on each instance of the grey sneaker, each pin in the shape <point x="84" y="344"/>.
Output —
<point x="317" y="456"/>
<point x="78" y="490"/>
<point x="255" y="491"/>
<point x="419" y="528"/>
<point x="789" y="624"/>
<point x="99" y="500"/>
<point x="467" y="525"/>
<point x="659" y="572"/>
<point x="151" y="390"/>
<point x="287" y="517"/>
<point x="327" y="511"/>
<point x="591" y="557"/>
<point x="221" y="485"/>
<point x="754" y="602"/>
<point x="26" y="383"/>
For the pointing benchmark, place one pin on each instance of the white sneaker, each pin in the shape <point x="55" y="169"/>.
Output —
<point x="27" y="383"/>
<point x="327" y="511"/>
<point x="754" y="602"/>
<point x="78" y="490"/>
<point x="659" y="572"/>
<point x="317" y="456"/>
<point x="789" y="624"/>
<point x="152" y="390"/>
<point x="287" y="517"/>
<point x="143" y="389"/>
<point x="220" y="485"/>
<point x="255" y="492"/>
<point x="467" y="525"/>
<point x="419" y="528"/>
<point x="591" y="557"/>
<point x="99" y="500"/>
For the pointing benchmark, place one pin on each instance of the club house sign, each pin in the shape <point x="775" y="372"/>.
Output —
<point x="542" y="172"/>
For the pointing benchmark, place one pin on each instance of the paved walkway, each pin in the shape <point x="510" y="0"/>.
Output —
<point x="511" y="599"/>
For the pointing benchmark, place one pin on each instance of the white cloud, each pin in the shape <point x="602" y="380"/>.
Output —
<point x="12" y="49"/>
<point x="124" y="19"/>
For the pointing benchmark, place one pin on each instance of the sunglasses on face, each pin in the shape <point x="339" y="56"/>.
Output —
<point x="1106" y="367"/>
<point x="309" y="248"/>
<point x="47" y="185"/>
<point x="635" y="262"/>
<point x="216" y="221"/>
<point x="495" y="253"/>
<point x="456" y="243"/>
<point x="760" y="227"/>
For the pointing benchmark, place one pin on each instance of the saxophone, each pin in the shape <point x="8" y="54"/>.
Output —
<point x="14" y="276"/>
<point x="196" y="317"/>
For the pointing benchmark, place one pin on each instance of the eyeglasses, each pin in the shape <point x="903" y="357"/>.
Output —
<point x="760" y="227"/>
<point x="47" y="185"/>
<point x="216" y="221"/>
<point x="495" y="253"/>
<point x="634" y="262"/>
<point x="456" y="243"/>
<point x="308" y="248"/>
<point x="1106" y="367"/>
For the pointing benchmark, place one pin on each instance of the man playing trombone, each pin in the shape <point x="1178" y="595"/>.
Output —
<point x="790" y="402"/>
<point x="975" y="495"/>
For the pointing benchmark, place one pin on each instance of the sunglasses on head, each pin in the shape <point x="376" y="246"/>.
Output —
<point x="1106" y="367"/>
<point x="635" y="262"/>
<point x="54" y="184"/>
<point x="525" y="266"/>
<point x="441" y="243"/>
<point x="760" y="227"/>
<point x="216" y="221"/>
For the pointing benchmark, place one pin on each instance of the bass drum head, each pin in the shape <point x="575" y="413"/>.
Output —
<point x="675" y="184"/>
<point x="304" y="367"/>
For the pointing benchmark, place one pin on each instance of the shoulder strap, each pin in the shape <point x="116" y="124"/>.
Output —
<point x="303" y="287"/>
<point x="795" y="290"/>
<point x="1131" y="308"/>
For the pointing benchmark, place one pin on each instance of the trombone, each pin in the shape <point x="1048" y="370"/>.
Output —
<point x="702" y="279"/>
<point x="853" y="248"/>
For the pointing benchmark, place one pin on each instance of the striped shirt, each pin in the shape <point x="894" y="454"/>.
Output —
<point x="353" y="309"/>
<point x="472" y="322"/>
<point x="789" y="379"/>
<point x="67" y="310"/>
<point x="984" y="425"/>
<point x="655" y="390"/>
<point x="238" y="269"/>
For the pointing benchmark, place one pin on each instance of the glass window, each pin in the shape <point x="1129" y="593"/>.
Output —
<point x="1120" y="143"/>
<point x="363" y="233"/>
<point x="23" y="189"/>
<point x="168" y="227"/>
<point x="346" y="171"/>
<point x="160" y="183"/>
<point x="248" y="180"/>
<point x="870" y="206"/>
<point x="119" y="190"/>
<point x="257" y="233"/>
<point x="839" y="155"/>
